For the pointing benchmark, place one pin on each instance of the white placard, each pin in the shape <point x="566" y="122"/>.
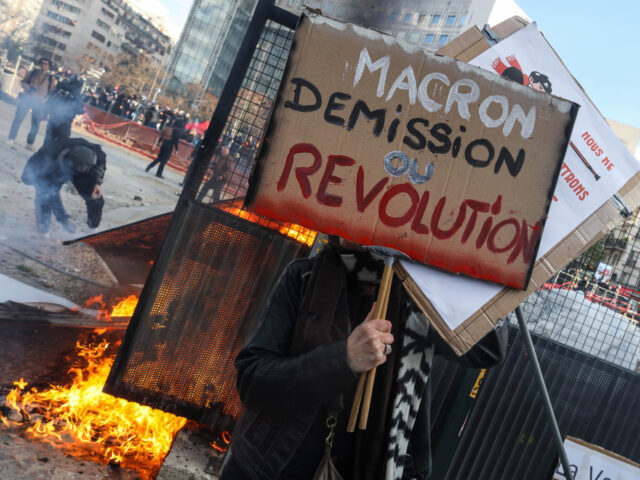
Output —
<point x="596" y="166"/>
<point x="589" y="463"/>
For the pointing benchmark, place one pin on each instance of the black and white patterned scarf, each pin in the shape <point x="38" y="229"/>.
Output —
<point x="411" y="383"/>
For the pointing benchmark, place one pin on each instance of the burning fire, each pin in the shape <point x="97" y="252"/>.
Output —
<point x="297" y="232"/>
<point x="86" y="422"/>
<point x="124" y="308"/>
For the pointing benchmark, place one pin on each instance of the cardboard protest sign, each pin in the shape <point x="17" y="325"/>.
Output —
<point x="590" y="462"/>
<point x="386" y="144"/>
<point x="596" y="167"/>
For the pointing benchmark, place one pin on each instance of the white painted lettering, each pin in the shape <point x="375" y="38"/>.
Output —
<point x="405" y="81"/>
<point x="381" y="64"/>
<point x="462" y="99"/>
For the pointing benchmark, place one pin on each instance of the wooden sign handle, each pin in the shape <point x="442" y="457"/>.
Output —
<point x="368" y="378"/>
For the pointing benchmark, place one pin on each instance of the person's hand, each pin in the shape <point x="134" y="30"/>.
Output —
<point x="97" y="192"/>
<point x="367" y="343"/>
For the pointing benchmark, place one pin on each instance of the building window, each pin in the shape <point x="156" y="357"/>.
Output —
<point x="632" y="258"/>
<point x="98" y="36"/>
<point x="65" y="6"/>
<point x="61" y="18"/>
<point x="435" y="20"/>
<point x="109" y="14"/>
<point x="394" y="17"/>
<point x="451" y="19"/>
<point x="463" y="17"/>
<point x="408" y="17"/>
<point x="414" y="37"/>
<point x="103" y="25"/>
<point x="421" y="18"/>
<point x="428" y="40"/>
<point x="443" y="39"/>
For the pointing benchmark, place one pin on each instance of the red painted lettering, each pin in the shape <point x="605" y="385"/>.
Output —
<point x="328" y="177"/>
<point x="475" y="207"/>
<point x="491" y="241"/>
<point x="391" y="193"/>
<point x="435" y="219"/>
<point x="301" y="172"/>
<point x="417" y="225"/>
<point x="484" y="232"/>
<point x="526" y="244"/>
<point x="363" y="201"/>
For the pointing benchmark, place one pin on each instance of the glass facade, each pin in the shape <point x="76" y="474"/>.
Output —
<point x="208" y="45"/>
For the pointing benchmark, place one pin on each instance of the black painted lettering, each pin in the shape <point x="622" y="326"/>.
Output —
<point x="362" y="108"/>
<point x="473" y="153"/>
<point x="419" y="141"/>
<point x="334" y="106"/>
<point x="513" y="165"/>
<point x="301" y="83"/>
<point x="441" y="132"/>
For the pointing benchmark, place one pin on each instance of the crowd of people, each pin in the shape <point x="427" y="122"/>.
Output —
<point x="59" y="96"/>
<point x="138" y="109"/>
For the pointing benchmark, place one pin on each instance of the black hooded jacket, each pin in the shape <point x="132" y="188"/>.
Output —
<point x="283" y="390"/>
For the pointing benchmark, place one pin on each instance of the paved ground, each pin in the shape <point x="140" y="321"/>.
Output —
<point x="131" y="194"/>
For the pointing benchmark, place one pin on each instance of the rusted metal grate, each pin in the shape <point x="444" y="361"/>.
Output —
<point x="206" y="291"/>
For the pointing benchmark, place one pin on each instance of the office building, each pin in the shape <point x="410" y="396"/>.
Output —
<point x="208" y="45"/>
<point x="82" y="34"/>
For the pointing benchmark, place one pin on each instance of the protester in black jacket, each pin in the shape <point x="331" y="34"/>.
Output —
<point x="304" y="361"/>
<point x="169" y="140"/>
<point x="62" y="106"/>
<point x="74" y="159"/>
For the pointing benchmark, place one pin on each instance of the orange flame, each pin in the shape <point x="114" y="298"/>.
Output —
<point x="86" y="422"/>
<point x="297" y="232"/>
<point x="222" y="446"/>
<point x="125" y="307"/>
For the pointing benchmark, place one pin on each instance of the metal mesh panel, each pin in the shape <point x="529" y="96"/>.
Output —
<point x="248" y="117"/>
<point x="508" y="434"/>
<point x="179" y="349"/>
<point x="595" y="313"/>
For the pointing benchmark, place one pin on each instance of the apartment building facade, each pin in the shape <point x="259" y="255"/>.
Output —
<point x="82" y="34"/>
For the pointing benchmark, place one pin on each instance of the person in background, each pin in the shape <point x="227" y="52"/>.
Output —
<point x="192" y="158"/>
<point x="63" y="105"/>
<point x="169" y="139"/>
<point x="300" y="370"/>
<point x="37" y="85"/>
<point x="72" y="159"/>
<point x="221" y="170"/>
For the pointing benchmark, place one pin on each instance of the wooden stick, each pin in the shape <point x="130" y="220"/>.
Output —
<point x="355" y="407"/>
<point x="385" y="288"/>
<point x="377" y="313"/>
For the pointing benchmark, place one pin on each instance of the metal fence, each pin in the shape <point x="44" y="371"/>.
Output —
<point x="505" y="435"/>
<point x="248" y="117"/>
<point x="592" y="305"/>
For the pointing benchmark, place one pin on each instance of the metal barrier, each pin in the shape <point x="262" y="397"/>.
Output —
<point x="133" y="136"/>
